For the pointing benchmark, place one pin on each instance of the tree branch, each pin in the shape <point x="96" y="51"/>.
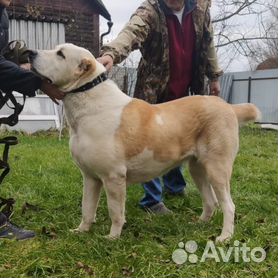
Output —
<point x="242" y="7"/>
<point x="244" y="39"/>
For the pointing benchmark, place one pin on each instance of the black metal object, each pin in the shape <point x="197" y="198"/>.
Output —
<point x="249" y="89"/>
<point x="258" y="78"/>
<point x="101" y="9"/>
<point x="109" y="24"/>
<point x="6" y="205"/>
<point x="13" y="118"/>
<point x="7" y="141"/>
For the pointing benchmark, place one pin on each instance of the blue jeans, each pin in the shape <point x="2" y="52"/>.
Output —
<point x="173" y="182"/>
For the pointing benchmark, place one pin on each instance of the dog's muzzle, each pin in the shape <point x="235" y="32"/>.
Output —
<point x="32" y="55"/>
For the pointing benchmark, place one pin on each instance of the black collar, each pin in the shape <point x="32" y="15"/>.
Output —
<point x="102" y="77"/>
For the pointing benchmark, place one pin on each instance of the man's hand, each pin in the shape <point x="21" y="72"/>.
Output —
<point x="107" y="61"/>
<point x="214" y="87"/>
<point x="26" y="66"/>
<point x="52" y="91"/>
<point x="49" y="89"/>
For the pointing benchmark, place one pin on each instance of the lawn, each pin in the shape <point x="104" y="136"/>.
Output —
<point x="44" y="175"/>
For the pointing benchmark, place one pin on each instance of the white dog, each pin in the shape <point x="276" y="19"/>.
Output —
<point x="116" y="140"/>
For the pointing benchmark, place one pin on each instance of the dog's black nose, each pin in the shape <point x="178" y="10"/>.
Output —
<point x="32" y="54"/>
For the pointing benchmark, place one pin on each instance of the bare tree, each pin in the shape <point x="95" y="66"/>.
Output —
<point x="244" y="29"/>
<point x="267" y="50"/>
<point x="241" y="25"/>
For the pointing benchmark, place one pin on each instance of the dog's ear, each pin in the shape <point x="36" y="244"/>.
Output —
<point x="87" y="65"/>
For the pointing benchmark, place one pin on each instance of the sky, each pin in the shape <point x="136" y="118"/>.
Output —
<point x="120" y="13"/>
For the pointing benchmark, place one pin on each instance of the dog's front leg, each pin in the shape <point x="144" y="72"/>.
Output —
<point x="91" y="193"/>
<point x="115" y="188"/>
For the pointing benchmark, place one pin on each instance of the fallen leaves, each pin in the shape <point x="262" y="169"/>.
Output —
<point x="27" y="206"/>
<point x="88" y="269"/>
<point x="49" y="232"/>
<point x="127" y="270"/>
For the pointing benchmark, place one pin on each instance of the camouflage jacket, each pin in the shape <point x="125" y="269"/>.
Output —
<point x="147" y="31"/>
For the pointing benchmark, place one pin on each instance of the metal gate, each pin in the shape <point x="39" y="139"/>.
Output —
<point x="258" y="87"/>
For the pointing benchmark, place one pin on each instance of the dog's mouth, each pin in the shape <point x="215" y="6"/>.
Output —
<point x="35" y="71"/>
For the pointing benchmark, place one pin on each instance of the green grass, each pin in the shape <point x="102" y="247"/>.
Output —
<point x="44" y="175"/>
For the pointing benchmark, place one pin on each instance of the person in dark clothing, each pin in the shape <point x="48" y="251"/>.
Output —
<point x="17" y="78"/>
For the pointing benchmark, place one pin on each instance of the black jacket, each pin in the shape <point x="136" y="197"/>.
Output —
<point x="12" y="77"/>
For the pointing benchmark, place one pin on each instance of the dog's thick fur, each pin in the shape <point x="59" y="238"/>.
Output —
<point x="116" y="140"/>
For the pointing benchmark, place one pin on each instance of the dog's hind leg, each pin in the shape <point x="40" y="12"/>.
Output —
<point x="200" y="178"/>
<point x="90" y="198"/>
<point x="115" y="187"/>
<point x="219" y="174"/>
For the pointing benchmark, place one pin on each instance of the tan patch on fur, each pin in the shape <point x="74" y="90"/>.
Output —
<point x="183" y="122"/>
<point x="86" y="67"/>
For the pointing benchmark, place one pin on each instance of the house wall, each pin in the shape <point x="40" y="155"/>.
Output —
<point x="81" y="22"/>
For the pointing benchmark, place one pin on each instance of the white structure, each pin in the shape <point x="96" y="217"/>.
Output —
<point x="39" y="113"/>
<point x="37" y="35"/>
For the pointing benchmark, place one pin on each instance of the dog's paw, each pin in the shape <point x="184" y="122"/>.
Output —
<point x="111" y="237"/>
<point x="223" y="238"/>
<point x="204" y="218"/>
<point x="75" y="231"/>
<point x="78" y="230"/>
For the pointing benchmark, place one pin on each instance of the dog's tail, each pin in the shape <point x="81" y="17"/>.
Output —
<point x="246" y="112"/>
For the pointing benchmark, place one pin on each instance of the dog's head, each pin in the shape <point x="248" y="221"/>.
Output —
<point x="67" y="66"/>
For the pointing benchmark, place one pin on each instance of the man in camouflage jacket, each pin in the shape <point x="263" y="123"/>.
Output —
<point x="150" y="30"/>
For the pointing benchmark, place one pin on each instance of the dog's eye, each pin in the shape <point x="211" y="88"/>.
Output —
<point x="61" y="54"/>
